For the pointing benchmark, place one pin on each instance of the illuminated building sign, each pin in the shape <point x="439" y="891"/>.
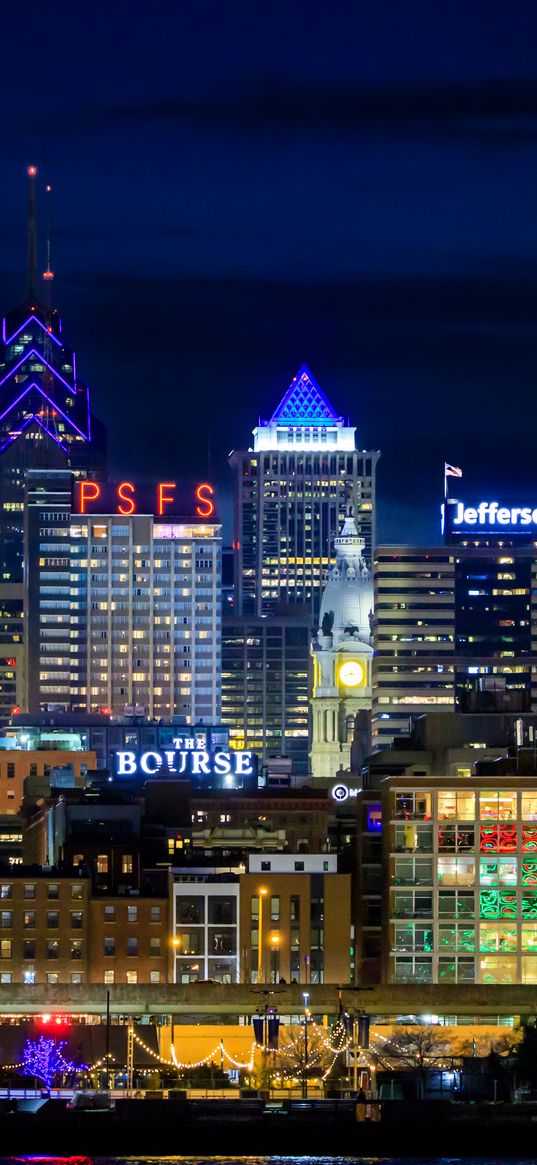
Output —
<point x="483" y="517"/>
<point x="126" y="498"/>
<point x="189" y="757"/>
<point x="342" y="792"/>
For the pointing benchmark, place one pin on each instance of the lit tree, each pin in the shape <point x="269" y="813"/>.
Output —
<point x="416" y="1049"/>
<point x="322" y="1051"/>
<point x="44" y="1058"/>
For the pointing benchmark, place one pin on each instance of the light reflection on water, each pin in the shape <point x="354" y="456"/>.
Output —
<point x="255" y="1160"/>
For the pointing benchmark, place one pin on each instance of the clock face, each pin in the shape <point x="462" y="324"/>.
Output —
<point x="351" y="673"/>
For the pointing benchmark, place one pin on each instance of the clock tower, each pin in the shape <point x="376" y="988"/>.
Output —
<point x="342" y="655"/>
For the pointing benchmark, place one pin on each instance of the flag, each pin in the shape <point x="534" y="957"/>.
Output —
<point x="452" y="470"/>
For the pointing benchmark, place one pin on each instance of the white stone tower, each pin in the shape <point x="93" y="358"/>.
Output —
<point x="342" y="655"/>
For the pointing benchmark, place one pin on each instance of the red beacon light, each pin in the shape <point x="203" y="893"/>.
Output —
<point x="31" y="171"/>
<point x="54" y="1020"/>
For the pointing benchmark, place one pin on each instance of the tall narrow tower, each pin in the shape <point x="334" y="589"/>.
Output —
<point x="342" y="655"/>
<point x="45" y="423"/>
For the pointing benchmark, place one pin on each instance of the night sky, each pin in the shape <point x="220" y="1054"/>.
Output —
<point x="243" y="187"/>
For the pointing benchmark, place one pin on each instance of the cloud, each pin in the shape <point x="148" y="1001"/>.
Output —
<point x="493" y="108"/>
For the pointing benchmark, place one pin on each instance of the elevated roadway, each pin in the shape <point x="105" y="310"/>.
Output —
<point x="218" y="1001"/>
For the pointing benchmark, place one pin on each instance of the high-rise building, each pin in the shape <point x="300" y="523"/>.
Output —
<point x="124" y="607"/>
<point x="454" y="631"/>
<point x="342" y="655"/>
<point x="460" y="878"/>
<point x="414" y="637"/>
<point x="265" y="686"/>
<point x="291" y="495"/>
<point x="45" y="422"/>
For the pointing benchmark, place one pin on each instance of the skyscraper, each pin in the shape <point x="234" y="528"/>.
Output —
<point x="123" y="604"/>
<point x="45" y="422"/>
<point x="291" y="495"/>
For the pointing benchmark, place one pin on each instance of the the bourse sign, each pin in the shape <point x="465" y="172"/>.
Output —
<point x="185" y="758"/>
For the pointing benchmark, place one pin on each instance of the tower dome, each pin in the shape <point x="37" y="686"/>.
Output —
<point x="347" y="601"/>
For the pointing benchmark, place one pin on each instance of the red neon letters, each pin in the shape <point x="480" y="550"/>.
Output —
<point x="89" y="492"/>
<point x="129" y="506"/>
<point x="203" y="489"/>
<point x="105" y="498"/>
<point x="165" y="498"/>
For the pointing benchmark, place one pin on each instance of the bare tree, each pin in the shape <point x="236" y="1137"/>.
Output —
<point x="413" y="1049"/>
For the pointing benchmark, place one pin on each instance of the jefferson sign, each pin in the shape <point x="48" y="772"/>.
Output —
<point x="490" y="517"/>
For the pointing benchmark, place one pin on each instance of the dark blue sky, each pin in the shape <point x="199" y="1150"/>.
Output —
<point x="242" y="187"/>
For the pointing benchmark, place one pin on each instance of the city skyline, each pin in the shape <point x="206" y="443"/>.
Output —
<point x="321" y="198"/>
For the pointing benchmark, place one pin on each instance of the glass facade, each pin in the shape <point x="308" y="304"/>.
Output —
<point x="265" y="686"/>
<point x="206" y="929"/>
<point x="463" y="886"/>
<point x="452" y="633"/>
<point x="289" y="508"/>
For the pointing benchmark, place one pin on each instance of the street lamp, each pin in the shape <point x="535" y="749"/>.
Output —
<point x="262" y="893"/>
<point x="305" y="996"/>
<point x="275" y="942"/>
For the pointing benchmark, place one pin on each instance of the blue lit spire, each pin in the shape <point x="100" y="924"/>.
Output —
<point x="303" y="420"/>
<point x="304" y="403"/>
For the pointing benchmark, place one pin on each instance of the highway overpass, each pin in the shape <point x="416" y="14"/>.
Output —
<point x="216" y="1001"/>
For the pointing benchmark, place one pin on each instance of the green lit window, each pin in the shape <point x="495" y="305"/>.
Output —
<point x="529" y="904"/>
<point x="529" y="872"/>
<point x="498" y="904"/>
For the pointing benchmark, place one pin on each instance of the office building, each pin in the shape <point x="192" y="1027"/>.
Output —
<point x="41" y="766"/>
<point x="443" y="745"/>
<point x="296" y="920"/>
<point x="204" y="906"/>
<point x="291" y="496"/>
<point x="43" y="928"/>
<point x="460" y="879"/>
<point x="453" y="631"/>
<point x="123" y="607"/>
<point x="45" y="422"/>
<point x="129" y="940"/>
<point x="265" y="687"/>
<point x="342" y="655"/>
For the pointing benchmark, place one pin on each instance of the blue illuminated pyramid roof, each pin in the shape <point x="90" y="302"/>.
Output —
<point x="304" y="403"/>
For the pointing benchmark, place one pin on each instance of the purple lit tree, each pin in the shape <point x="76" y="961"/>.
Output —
<point x="44" y="1058"/>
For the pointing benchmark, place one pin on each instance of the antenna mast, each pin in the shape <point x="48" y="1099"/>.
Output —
<point x="32" y="235"/>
